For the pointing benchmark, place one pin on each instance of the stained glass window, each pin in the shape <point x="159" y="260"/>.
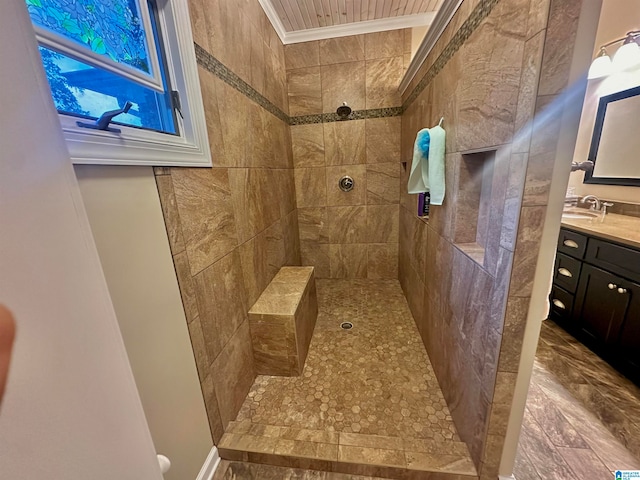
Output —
<point x="81" y="89"/>
<point x="113" y="34"/>
<point x="107" y="27"/>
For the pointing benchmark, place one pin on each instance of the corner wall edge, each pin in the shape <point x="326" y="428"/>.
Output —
<point x="440" y="22"/>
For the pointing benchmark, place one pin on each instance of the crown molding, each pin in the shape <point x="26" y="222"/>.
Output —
<point x="358" y="28"/>
<point x="344" y="30"/>
<point x="440" y="22"/>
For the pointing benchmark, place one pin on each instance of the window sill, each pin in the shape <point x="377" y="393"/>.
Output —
<point x="135" y="146"/>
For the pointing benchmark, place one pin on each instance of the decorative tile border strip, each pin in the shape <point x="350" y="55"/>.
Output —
<point x="215" y="66"/>
<point x="482" y="10"/>
<point x="355" y="115"/>
<point x="306" y="119"/>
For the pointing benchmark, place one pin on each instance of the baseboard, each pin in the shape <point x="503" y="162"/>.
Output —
<point x="210" y="465"/>
<point x="503" y="477"/>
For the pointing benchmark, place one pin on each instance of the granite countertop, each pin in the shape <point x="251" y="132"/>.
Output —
<point x="623" y="229"/>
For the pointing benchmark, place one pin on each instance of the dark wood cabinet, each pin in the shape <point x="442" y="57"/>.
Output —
<point x="601" y="308"/>
<point x="615" y="258"/>
<point x="572" y="243"/>
<point x="596" y="297"/>
<point x="561" y="305"/>
<point x="628" y="347"/>
<point x="567" y="272"/>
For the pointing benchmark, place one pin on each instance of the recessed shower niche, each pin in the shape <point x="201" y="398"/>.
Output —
<point x="473" y="204"/>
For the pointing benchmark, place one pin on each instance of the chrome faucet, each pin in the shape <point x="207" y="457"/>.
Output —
<point x="597" y="205"/>
<point x="604" y="208"/>
<point x="593" y="200"/>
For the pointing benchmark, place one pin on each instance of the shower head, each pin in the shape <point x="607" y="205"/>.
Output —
<point x="343" y="110"/>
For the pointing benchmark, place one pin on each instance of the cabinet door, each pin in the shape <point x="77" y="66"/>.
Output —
<point x="600" y="308"/>
<point x="627" y="350"/>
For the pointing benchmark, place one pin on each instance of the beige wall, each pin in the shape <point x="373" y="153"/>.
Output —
<point x="126" y="220"/>
<point x="617" y="17"/>
<point x="347" y="234"/>
<point x="417" y="35"/>
<point x="231" y="227"/>
<point x="71" y="409"/>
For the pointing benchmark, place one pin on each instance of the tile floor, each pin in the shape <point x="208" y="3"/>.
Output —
<point x="253" y="471"/>
<point x="368" y="396"/>
<point x="581" y="419"/>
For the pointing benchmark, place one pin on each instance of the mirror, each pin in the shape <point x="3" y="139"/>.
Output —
<point x="615" y="144"/>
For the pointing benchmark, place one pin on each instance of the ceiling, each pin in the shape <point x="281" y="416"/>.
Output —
<point x="305" y="14"/>
<point x="327" y="18"/>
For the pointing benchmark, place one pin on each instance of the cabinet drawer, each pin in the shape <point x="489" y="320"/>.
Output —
<point x="561" y="304"/>
<point x="572" y="243"/>
<point x="567" y="272"/>
<point x="617" y="259"/>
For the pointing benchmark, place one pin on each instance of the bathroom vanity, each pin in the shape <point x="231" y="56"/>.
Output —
<point x="596" y="287"/>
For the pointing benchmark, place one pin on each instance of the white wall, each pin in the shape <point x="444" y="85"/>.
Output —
<point x="71" y="410"/>
<point x="617" y="18"/>
<point x="127" y="223"/>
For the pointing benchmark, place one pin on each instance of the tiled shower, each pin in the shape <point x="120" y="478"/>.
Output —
<point x="352" y="234"/>
<point x="272" y="199"/>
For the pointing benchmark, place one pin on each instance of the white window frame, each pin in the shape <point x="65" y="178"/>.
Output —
<point x="136" y="146"/>
<point x="72" y="48"/>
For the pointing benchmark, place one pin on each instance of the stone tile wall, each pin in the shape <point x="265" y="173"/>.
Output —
<point x="231" y="227"/>
<point x="354" y="234"/>
<point x="496" y="76"/>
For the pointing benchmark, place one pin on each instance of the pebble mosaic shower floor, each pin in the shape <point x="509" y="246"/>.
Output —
<point x="373" y="379"/>
<point x="367" y="395"/>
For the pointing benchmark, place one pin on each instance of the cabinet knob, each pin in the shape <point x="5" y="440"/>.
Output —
<point x="612" y="286"/>
<point x="559" y="304"/>
<point x="622" y="290"/>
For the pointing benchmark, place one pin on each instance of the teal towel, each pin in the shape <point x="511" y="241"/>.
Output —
<point x="434" y="180"/>
<point x="427" y="167"/>
<point x="419" y="164"/>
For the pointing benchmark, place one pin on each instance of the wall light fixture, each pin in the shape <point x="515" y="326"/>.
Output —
<point x="627" y="56"/>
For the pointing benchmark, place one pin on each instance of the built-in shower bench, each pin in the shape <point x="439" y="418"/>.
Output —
<point x="282" y="322"/>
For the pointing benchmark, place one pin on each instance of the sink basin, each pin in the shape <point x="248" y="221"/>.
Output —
<point x="579" y="215"/>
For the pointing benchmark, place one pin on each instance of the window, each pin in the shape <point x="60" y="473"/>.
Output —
<point x="98" y="55"/>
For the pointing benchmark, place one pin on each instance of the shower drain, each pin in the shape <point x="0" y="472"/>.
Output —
<point x="346" y="325"/>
